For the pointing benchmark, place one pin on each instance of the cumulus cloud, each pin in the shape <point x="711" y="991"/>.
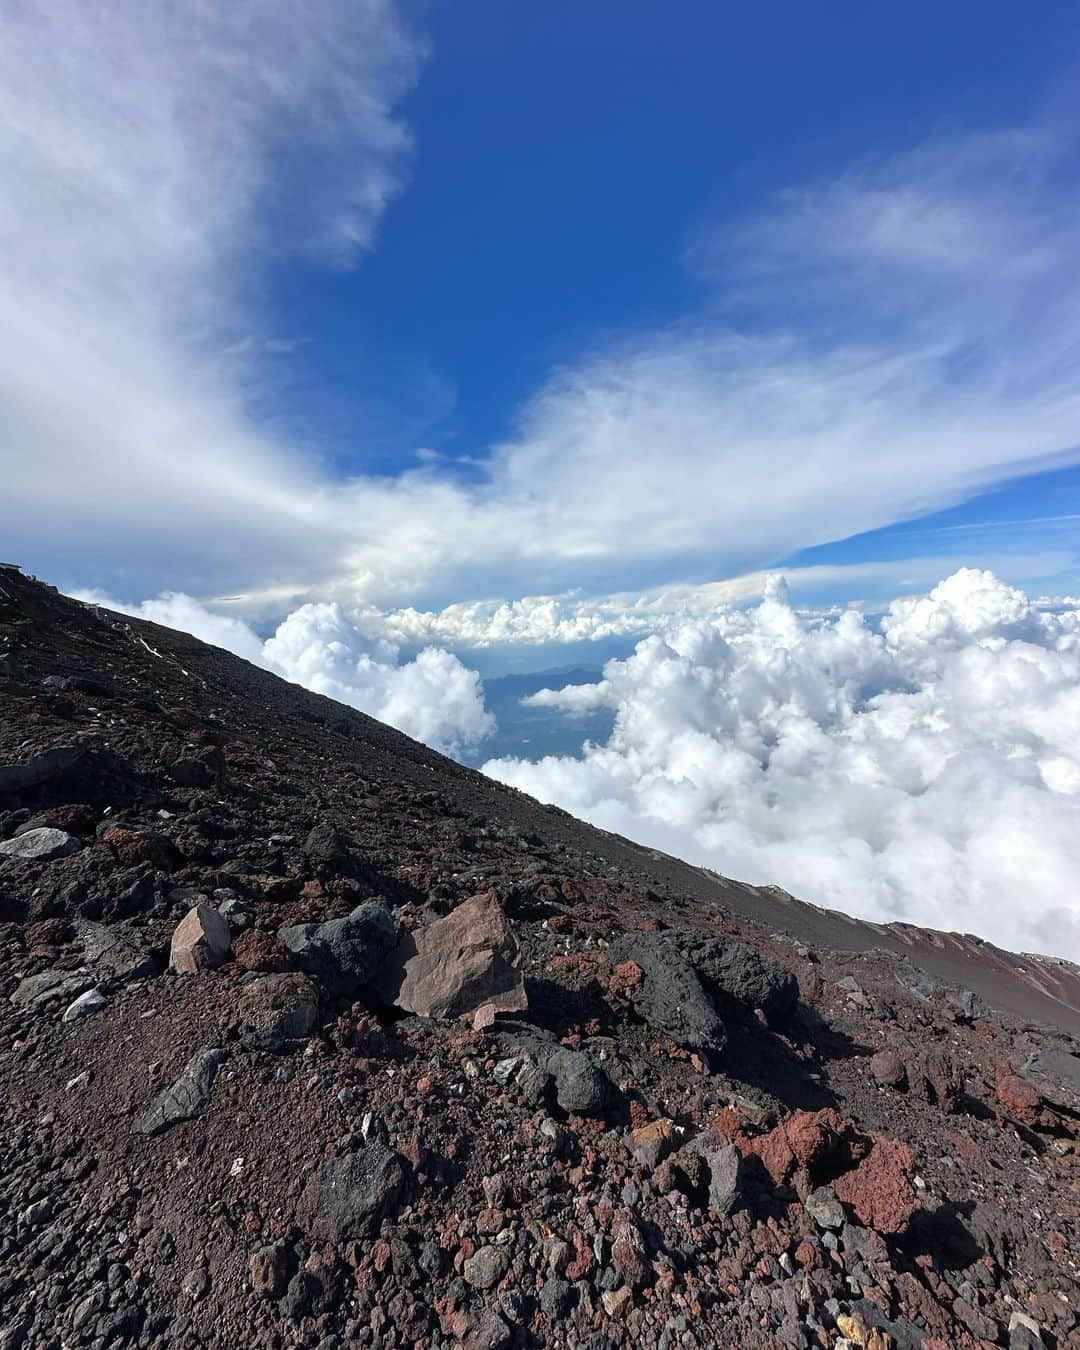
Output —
<point x="433" y="698"/>
<point x="567" y="619"/>
<point x="926" y="769"/>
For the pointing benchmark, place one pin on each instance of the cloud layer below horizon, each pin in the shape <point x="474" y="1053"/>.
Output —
<point x="928" y="772"/>
<point x="924" y="769"/>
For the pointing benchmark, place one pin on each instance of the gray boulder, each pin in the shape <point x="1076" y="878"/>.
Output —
<point x="325" y="844"/>
<point x="189" y="1096"/>
<point x="343" y="954"/>
<point x="725" y="1174"/>
<point x="671" y="998"/>
<point x="40" y="845"/>
<point x="742" y="974"/>
<point x="348" y="1196"/>
<point x="824" y="1208"/>
<point x="580" y="1086"/>
<point x="118" y="950"/>
<point x="277" y="1009"/>
<point x="39" y="769"/>
<point x="38" y="990"/>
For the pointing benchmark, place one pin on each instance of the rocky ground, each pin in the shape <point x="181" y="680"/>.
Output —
<point x="311" y="1037"/>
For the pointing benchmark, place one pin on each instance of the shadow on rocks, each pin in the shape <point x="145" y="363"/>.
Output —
<point x="755" y="1056"/>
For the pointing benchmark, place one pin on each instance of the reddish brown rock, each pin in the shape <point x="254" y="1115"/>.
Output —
<point x="255" y="949"/>
<point x="137" y="846"/>
<point x="942" y="1081"/>
<point x="624" y="979"/>
<point x="628" y="1250"/>
<point x="814" y="1136"/>
<point x="1021" y="1099"/>
<point x="268" y="1270"/>
<point x="650" y="1144"/>
<point x="807" y="1255"/>
<point x="803" y="1141"/>
<point x="889" y="1069"/>
<point x="457" y="964"/>
<point x="880" y="1189"/>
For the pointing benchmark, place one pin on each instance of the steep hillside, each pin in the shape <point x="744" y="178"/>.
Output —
<point x="311" y="1036"/>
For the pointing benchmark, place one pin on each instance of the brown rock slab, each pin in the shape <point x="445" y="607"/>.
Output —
<point x="650" y="1144"/>
<point x="200" y="942"/>
<point x="880" y="1190"/>
<point x="465" y="961"/>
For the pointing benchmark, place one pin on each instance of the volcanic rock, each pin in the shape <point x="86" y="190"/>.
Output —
<point x="735" y="969"/>
<point x="51" y="985"/>
<point x="805" y="1141"/>
<point x="189" y="1096"/>
<point x="484" y="1268"/>
<point x="256" y="949"/>
<point x="39" y="769"/>
<point x="880" y="1189"/>
<point x="277" y="1009"/>
<point x="325" y="844"/>
<point x="343" y="954"/>
<point x="670" y="997"/>
<point x="85" y="1005"/>
<point x="347" y="1196"/>
<point x="41" y="845"/>
<point x="451" y="967"/>
<point x="725" y="1167"/>
<point x="118" y="949"/>
<point x="580" y="1087"/>
<point x="888" y="1069"/>
<point x="1021" y="1099"/>
<point x="268" y="1270"/>
<point x="200" y="941"/>
<point x="650" y="1144"/>
<point x="136" y="846"/>
<point x="824" y="1208"/>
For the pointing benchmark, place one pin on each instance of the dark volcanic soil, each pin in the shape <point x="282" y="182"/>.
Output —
<point x="674" y="1144"/>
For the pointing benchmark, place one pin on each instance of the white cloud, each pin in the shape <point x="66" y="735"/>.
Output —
<point x="155" y="157"/>
<point x="433" y="698"/>
<point x="552" y="620"/>
<point x="884" y="342"/>
<point x="928" y="772"/>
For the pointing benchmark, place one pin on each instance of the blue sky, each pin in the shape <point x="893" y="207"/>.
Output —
<point x="565" y="158"/>
<point x="434" y="305"/>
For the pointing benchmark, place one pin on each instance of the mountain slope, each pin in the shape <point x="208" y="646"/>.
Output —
<point x="634" y="1156"/>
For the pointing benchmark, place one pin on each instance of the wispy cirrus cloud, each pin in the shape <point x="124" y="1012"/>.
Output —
<point x="155" y="158"/>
